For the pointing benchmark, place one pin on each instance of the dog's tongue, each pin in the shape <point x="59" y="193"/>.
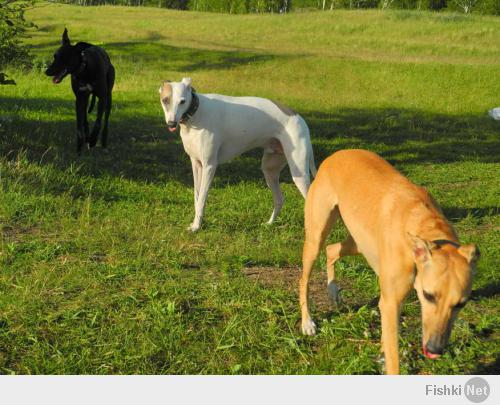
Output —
<point x="57" y="78"/>
<point x="172" y="129"/>
<point x="428" y="354"/>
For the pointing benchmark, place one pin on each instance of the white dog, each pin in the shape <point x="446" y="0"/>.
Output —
<point x="495" y="113"/>
<point x="216" y="128"/>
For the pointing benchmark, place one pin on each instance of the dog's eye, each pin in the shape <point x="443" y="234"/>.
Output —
<point x="460" y="305"/>
<point x="182" y="101"/>
<point x="429" y="297"/>
<point x="165" y="101"/>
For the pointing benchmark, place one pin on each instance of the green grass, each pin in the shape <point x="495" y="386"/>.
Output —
<point x="98" y="274"/>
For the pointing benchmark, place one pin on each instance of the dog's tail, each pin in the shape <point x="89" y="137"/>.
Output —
<point x="92" y="104"/>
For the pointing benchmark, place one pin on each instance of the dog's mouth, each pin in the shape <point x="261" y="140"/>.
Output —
<point x="429" y="354"/>
<point x="58" y="77"/>
<point x="172" y="127"/>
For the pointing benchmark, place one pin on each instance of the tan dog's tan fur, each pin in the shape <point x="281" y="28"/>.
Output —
<point x="393" y="223"/>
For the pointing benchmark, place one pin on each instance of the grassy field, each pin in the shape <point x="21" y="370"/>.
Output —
<point x="98" y="274"/>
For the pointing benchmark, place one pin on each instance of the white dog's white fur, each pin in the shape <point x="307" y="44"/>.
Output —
<point x="224" y="127"/>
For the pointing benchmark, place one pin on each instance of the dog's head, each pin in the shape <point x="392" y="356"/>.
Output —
<point x="66" y="60"/>
<point x="175" y="98"/>
<point x="443" y="283"/>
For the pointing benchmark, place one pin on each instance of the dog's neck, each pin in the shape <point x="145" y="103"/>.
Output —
<point x="83" y="65"/>
<point x="430" y="224"/>
<point x="193" y="107"/>
<point x="81" y="47"/>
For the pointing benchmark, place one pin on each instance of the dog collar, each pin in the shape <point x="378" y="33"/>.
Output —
<point x="193" y="107"/>
<point x="441" y="242"/>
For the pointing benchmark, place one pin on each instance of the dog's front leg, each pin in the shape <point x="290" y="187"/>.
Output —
<point x="81" y="118"/>
<point x="196" y="165"/>
<point x="393" y="291"/>
<point x="207" y="175"/>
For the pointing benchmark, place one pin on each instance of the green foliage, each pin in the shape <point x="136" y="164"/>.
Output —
<point x="334" y="4"/>
<point x="280" y="6"/>
<point x="475" y="6"/>
<point x="489" y="7"/>
<point x="13" y="27"/>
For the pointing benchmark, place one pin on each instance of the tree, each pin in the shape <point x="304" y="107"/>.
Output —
<point x="466" y="5"/>
<point x="13" y="27"/>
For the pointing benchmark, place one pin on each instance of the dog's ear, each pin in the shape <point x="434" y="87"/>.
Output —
<point x="421" y="249"/>
<point x="470" y="252"/>
<point x="65" y="38"/>
<point x="187" y="81"/>
<point x="163" y="84"/>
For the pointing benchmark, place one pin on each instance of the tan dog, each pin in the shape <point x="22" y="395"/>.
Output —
<point x="403" y="235"/>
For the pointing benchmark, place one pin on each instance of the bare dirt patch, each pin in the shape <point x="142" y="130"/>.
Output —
<point x="287" y="278"/>
<point x="16" y="233"/>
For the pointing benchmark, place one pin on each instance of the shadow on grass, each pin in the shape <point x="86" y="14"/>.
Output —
<point x="489" y="368"/>
<point x="141" y="151"/>
<point x="456" y="213"/>
<point x="407" y="136"/>
<point x="488" y="291"/>
<point x="167" y="57"/>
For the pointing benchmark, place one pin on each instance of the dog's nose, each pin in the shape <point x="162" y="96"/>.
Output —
<point x="171" y="123"/>
<point x="434" y="348"/>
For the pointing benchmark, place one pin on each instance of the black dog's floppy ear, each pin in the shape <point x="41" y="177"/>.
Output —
<point x="65" y="38"/>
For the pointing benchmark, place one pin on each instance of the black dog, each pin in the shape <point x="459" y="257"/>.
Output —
<point x="91" y="73"/>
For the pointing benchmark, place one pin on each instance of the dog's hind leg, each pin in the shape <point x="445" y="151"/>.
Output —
<point x="312" y="166"/>
<point x="298" y="162"/>
<point x="104" y="139"/>
<point x="298" y="151"/>
<point x="333" y="253"/>
<point x="302" y="182"/>
<point x="272" y="164"/>
<point x="110" y="78"/>
<point x="101" y="106"/>
<point x="86" y="128"/>
<point x="320" y="215"/>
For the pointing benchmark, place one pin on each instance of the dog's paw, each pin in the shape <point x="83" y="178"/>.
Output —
<point x="193" y="228"/>
<point x="308" y="327"/>
<point x="334" y="292"/>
